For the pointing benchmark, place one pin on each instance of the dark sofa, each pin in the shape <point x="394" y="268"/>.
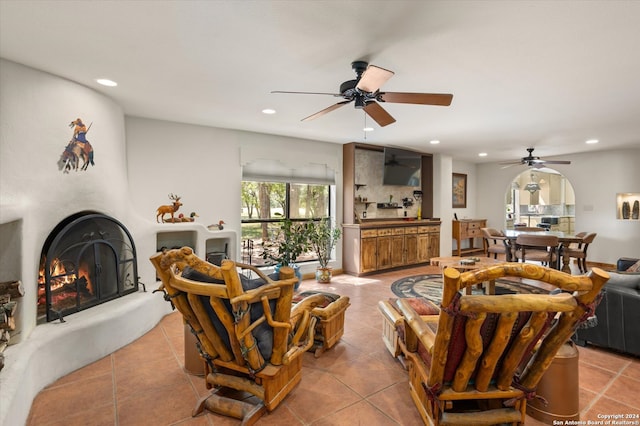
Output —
<point x="618" y="314"/>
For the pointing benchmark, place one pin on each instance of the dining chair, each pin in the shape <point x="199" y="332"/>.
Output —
<point x="494" y="242"/>
<point x="539" y="248"/>
<point x="580" y="251"/>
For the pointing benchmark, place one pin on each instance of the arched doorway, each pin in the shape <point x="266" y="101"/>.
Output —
<point x="538" y="196"/>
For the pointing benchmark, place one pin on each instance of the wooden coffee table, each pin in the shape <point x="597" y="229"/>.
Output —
<point x="454" y="262"/>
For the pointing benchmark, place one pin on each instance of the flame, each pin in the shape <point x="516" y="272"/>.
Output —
<point x="69" y="283"/>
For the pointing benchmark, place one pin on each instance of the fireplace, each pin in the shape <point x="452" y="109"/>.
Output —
<point x="88" y="259"/>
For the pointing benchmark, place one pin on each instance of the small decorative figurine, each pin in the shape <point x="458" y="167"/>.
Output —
<point x="169" y="208"/>
<point x="79" y="148"/>
<point x="218" y="226"/>
<point x="191" y="218"/>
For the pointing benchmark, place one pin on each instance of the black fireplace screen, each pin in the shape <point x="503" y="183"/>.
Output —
<point x="87" y="260"/>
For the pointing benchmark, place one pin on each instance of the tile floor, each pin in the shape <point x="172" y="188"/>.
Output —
<point x="355" y="383"/>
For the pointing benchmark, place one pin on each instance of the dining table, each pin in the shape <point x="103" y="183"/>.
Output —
<point x="564" y="239"/>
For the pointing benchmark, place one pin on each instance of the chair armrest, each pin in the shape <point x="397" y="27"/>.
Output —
<point x="390" y="313"/>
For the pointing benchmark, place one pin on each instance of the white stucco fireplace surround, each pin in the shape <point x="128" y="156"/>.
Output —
<point x="35" y="110"/>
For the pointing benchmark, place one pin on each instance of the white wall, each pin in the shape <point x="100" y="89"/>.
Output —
<point x="35" y="196"/>
<point x="35" y="111"/>
<point x="204" y="166"/>
<point x="596" y="179"/>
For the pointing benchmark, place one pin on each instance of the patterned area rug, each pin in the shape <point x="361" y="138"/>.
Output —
<point x="430" y="287"/>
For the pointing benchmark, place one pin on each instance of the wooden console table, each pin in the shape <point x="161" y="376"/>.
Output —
<point x="467" y="229"/>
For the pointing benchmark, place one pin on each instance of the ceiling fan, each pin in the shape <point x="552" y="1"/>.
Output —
<point x="365" y="92"/>
<point x="532" y="161"/>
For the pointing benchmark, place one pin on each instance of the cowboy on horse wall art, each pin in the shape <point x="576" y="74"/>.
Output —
<point x="78" y="148"/>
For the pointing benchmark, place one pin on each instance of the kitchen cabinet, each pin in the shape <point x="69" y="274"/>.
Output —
<point x="468" y="229"/>
<point x="556" y="189"/>
<point x="379" y="246"/>
<point x="411" y="246"/>
<point x="384" y="249"/>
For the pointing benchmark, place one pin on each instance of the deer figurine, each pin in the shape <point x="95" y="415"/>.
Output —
<point x="169" y="208"/>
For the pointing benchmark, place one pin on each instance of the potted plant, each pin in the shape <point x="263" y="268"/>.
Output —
<point x="290" y="242"/>
<point x="323" y="237"/>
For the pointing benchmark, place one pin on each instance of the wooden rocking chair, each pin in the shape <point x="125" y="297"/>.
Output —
<point x="483" y="358"/>
<point x="248" y="332"/>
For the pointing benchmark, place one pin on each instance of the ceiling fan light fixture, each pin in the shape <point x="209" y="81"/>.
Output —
<point x="360" y="103"/>
<point x="532" y="187"/>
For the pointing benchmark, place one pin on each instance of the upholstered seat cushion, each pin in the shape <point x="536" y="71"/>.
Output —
<point x="263" y="333"/>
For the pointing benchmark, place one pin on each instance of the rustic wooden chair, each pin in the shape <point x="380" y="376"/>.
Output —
<point x="482" y="360"/>
<point x="580" y="252"/>
<point x="541" y="248"/>
<point x="250" y="335"/>
<point x="494" y="242"/>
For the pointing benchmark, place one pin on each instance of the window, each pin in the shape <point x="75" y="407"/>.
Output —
<point x="265" y="205"/>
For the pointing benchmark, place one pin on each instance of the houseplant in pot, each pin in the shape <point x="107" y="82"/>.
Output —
<point x="323" y="237"/>
<point x="287" y="245"/>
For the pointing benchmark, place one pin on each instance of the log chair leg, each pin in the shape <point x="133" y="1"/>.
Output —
<point x="248" y="413"/>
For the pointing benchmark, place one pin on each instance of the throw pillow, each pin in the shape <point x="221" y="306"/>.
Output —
<point x="634" y="268"/>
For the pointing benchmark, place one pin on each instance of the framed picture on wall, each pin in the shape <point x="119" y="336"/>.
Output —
<point x="459" y="191"/>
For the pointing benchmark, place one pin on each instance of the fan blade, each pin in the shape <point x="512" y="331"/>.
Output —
<point x="375" y="111"/>
<point x="306" y="93"/>
<point x="557" y="162"/>
<point x="373" y="78"/>
<point x="325" y="111"/>
<point x="441" y="99"/>
<point x="507" y="165"/>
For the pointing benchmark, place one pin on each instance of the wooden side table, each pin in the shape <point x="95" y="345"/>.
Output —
<point x="467" y="229"/>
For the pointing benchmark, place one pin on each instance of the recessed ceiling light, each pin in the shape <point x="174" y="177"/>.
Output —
<point x="368" y="129"/>
<point x="434" y="142"/>
<point x="268" y="111"/>
<point x="482" y="154"/>
<point x="591" y="141"/>
<point x="106" y="82"/>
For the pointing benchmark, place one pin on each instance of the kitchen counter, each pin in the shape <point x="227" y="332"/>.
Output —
<point x="380" y="223"/>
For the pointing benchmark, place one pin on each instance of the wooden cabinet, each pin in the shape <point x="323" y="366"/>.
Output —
<point x="468" y="230"/>
<point x="563" y="224"/>
<point x="411" y="245"/>
<point x="426" y="246"/>
<point x="398" y="250"/>
<point x="434" y="244"/>
<point x="369" y="249"/>
<point x="384" y="249"/>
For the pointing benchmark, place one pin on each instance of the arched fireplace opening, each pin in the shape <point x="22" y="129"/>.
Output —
<point x="88" y="259"/>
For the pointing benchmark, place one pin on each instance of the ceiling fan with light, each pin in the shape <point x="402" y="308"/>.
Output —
<point x="533" y="161"/>
<point x="365" y="92"/>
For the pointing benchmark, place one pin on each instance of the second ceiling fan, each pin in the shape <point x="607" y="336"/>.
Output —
<point x="365" y="92"/>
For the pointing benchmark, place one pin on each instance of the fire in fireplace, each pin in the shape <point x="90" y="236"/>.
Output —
<point x="88" y="259"/>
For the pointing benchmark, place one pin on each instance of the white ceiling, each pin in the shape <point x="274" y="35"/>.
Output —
<point x="543" y="74"/>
